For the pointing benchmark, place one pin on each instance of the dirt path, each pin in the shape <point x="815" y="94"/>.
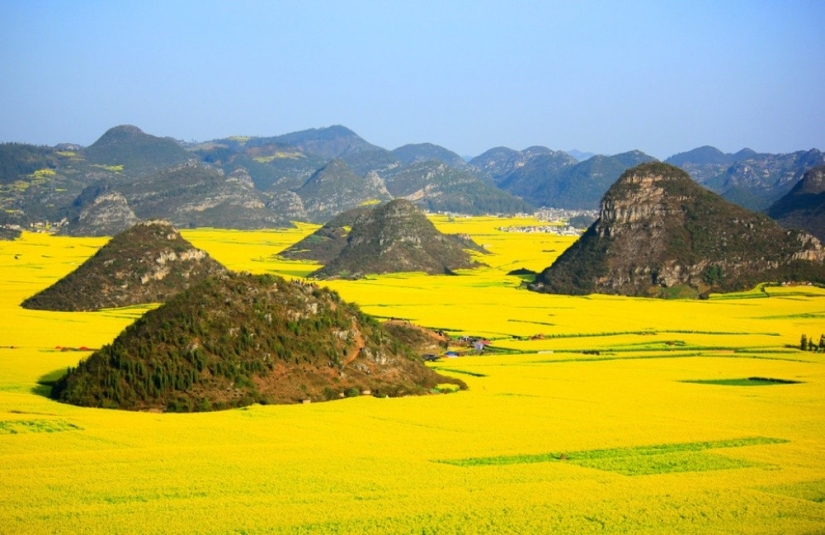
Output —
<point x="359" y="345"/>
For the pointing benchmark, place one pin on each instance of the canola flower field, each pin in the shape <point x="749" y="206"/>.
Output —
<point x="588" y="414"/>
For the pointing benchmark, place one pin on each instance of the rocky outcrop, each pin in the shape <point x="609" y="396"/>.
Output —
<point x="149" y="263"/>
<point x="661" y="234"/>
<point x="326" y="243"/>
<point x="107" y="214"/>
<point x="750" y="179"/>
<point x="396" y="237"/>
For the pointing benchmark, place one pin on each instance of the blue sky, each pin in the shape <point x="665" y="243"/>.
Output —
<point x="662" y="77"/>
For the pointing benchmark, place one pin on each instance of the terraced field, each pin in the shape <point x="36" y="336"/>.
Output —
<point x="584" y="414"/>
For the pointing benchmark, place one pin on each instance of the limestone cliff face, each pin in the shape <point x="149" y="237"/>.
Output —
<point x="108" y="213"/>
<point x="659" y="233"/>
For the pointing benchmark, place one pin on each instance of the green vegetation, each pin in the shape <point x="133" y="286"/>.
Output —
<point x="640" y="460"/>
<point x="18" y="160"/>
<point x="146" y="264"/>
<point x="662" y="235"/>
<point x="235" y="339"/>
<point x="749" y="381"/>
<point x="326" y="243"/>
<point x="390" y="238"/>
<point x="446" y="189"/>
<point x="16" y="427"/>
<point x="130" y="148"/>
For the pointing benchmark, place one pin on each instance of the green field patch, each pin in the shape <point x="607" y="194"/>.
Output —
<point x="748" y="381"/>
<point x="665" y="463"/>
<point x="813" y="491"/>
<point x="802" y="316"/>
<point x="19" y="427"/>
<point x="463" y="372"/>
<point x="533" y="322"/>
<point x="638" y="460"/>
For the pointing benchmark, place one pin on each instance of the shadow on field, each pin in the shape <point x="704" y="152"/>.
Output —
<point x="46" y="381"/>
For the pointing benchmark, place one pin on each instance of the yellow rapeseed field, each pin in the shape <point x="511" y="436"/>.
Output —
<point x="587" y="414"/>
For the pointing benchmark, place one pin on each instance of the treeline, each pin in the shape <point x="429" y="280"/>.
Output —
<point x="18" y="159"/>
<point x="806" y="343"/>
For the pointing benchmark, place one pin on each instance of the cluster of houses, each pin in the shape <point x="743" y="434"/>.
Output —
<point x="559" y="230"/>
<point x="478" y="346"/>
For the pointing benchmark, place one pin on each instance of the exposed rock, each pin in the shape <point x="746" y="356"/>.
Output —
<point x="149" y="263"/>
<point x="396" y="237"/>
<point x="107" y="214"/>
<point x="661" y="234"/>
<point x="288" y="205"/>
<point x="336" y="188"/>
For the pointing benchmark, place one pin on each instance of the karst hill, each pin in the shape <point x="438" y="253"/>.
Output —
<point x="397" y="237"/>
<point x="326" y="243"/>
<point x="148" y="263"/>
<point x="804" y="206"/>
<point x="236" y="339"/>
<point x="660" y="234"/>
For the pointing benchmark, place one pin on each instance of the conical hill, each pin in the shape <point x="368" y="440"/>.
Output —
<point x="148" y="263"/>
<point x="397" y="237"/>
<point x="661" y="234"/>
<point x="236" y="339"/>
<point x="327" y="242"/>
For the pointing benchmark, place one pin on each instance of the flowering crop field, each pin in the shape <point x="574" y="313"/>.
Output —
<point x="588" y="414"/>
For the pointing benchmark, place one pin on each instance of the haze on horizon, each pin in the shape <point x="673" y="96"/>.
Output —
<point x="661" y="77"/>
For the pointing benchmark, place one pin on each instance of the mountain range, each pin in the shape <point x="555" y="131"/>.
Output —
<point x="262" y="182"/>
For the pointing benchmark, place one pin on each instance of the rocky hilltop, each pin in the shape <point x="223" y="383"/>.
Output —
<point x="237" y="339"/>
<point x="396" y="237"/>
<point x="326" y="243"/>
<point x="147" y="263"/>
<point x="804" y="206"/>
<point x="661" y="234"/>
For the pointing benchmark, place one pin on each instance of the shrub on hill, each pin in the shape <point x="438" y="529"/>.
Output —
<point x="236" y="339"/>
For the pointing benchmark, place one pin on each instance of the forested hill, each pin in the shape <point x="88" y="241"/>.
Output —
<point x="237" y="339"/>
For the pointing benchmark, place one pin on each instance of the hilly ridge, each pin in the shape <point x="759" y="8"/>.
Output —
<point x="804" y="206"/>
<point x="271" y="181"/>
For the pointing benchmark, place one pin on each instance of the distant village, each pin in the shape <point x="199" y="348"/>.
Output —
<point x="561" y="222"/>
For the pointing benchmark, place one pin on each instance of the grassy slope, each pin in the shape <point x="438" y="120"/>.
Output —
<point x="368" y="464"/>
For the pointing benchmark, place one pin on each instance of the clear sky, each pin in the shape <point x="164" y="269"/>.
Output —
<point x="662" y="77"/>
